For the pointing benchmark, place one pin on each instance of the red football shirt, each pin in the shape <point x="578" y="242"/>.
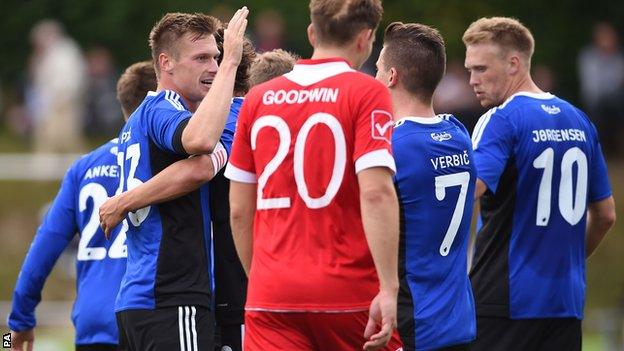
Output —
<point x="302" y="138"/>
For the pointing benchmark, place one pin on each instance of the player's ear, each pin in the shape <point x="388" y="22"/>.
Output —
<point x="311" y="35"/>
<point x="393" y="79"/>
<point x="514" y="64"/>
<point x="363" y="39"/>
<point x="165" y="64"/>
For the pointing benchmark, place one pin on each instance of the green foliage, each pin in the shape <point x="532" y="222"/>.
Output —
<point x="560" y="28"/>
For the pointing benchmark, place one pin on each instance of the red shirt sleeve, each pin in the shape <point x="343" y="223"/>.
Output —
<point x="241" y="166"/>
<point x="373" y="128"/>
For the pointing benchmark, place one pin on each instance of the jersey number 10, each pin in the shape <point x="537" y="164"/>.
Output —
<point x="572" y="202"/>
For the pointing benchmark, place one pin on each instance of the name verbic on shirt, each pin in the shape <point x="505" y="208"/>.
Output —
<point x="446" y="161"/>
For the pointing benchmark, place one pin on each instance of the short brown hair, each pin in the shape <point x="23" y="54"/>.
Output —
<point x="417" y="52"/>
<point x="134" y="84"/>
<point x="338" y="21"/>
<point x="165" y="34"/>
<point x="271" y="64"/>
<point x="241" y="82"/>
<point x="508" y="33"/>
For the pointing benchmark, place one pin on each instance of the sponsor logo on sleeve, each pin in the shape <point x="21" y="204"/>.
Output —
<point x="381" y="124"/>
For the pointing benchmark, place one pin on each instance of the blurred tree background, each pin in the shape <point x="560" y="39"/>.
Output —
<point x="561" y="29"/>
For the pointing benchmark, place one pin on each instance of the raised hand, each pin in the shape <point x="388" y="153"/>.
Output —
<point x="233" y="37"/>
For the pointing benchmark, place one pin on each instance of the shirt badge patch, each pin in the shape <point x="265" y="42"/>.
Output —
<point x="381" y="125"/>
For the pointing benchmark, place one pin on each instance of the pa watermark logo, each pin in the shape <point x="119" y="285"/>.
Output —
<point x="6" y="341"/>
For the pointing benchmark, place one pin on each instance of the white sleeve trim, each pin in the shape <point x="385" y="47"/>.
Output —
<point x="377" y="158"/>
<point x="238" y="175"/>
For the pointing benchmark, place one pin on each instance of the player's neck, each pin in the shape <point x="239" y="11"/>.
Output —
<point x="524" y="84"/>
<point x="406" y="105"/>
<point x="164" y="84"/>
<point x="332" y="52"/>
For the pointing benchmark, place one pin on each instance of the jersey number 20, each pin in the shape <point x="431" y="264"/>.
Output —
<point x="280" y="125"/>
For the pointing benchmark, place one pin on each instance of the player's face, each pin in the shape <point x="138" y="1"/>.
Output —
<point x="488" y="73"/>
<point x="195" y="66"/>
<point x="382" y="75"/>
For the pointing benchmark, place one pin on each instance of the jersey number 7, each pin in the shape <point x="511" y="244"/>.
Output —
<point x="441" y="183"/>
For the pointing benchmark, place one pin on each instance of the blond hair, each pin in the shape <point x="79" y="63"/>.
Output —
<point x="271" y="64"/>
<point x="508" y="33"/>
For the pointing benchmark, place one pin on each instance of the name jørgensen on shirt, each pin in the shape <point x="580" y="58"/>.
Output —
<point x="558" y="135"/>
<point x="455" y="160"/>
<point x="291" y="97"/>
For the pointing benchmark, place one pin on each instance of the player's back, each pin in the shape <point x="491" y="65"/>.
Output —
<point x="530" y="252"/>
<point x="311" y="131"/>
<point x="101" y="263"/>
<point x="435" y="181"/>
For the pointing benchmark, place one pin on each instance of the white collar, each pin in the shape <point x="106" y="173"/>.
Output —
<point x="308" y="74"/>
<point x="421" y="120"/>
<point x="540" y="96"/>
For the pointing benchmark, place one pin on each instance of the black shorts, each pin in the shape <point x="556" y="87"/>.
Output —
<point x="495" y="333"/>
<point x="182" y="328"/>
<point x="407" y="337"/>
<point x="230" y="337"/>
<point x="97" y="347"/>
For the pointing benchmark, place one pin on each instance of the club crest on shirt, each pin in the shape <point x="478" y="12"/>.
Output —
<point x="381" y="125"/>
<point x="441" y="136"/>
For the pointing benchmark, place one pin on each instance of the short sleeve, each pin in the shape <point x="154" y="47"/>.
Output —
<point x="373" y="128"/>
<point x="227" y="138"/>
<point x="492" y="142"/>
<point x="599" y="186"/>
<point x="166" y="123"/>
<point x="240" y="167"/>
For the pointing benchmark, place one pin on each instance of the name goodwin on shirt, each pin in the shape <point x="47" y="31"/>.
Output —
<point x="290" y="97"/>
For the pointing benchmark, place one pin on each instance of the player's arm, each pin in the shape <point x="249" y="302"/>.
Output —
<point x="201" y="134"/>
<point x="380" y="217"/>
<point x="601" y="206"/>
<point x="480" y="188"/>
<point x="492" y="143"/>
<point x="176" y="180"/>
<point x="242" y="210"/>
<point x="600" y="218"/>
<point x="53" y="236"/>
